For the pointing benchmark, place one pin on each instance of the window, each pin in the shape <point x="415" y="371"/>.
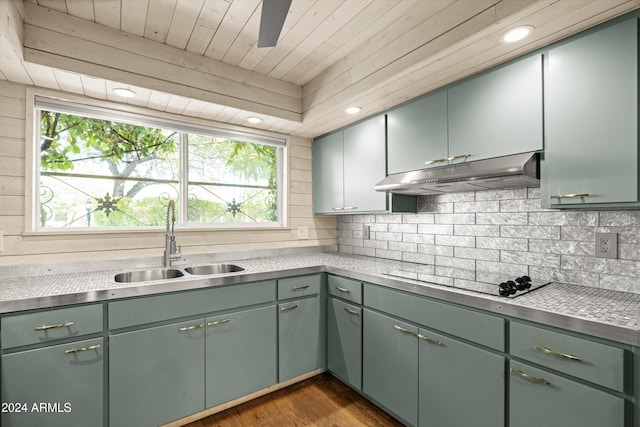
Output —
<point x="108" y="169"/>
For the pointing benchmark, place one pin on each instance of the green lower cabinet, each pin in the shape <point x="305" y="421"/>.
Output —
<point x="459" y="384"/>
<point x="156" y="375"/>
<point x="240" y="354"/>
<point x="390" y="365"/>
<point x="537" y="397"/>
<point x="300" y="339"/>
<point x="344" y="342"/>
<point x="54" y="386"/>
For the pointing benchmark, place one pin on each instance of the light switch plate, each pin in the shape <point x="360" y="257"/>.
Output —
<point x="303" y="233"/>
<point x="606" y="245"/>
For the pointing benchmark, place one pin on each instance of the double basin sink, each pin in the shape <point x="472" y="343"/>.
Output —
<point x="172" y="273"/>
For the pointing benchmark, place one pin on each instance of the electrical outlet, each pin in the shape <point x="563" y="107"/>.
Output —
<point x="366" y="232"/>
<point x="303" y="233"/>
<point x="606" y="245"/>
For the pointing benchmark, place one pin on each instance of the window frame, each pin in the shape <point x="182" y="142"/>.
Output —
<point x="38" y="99"/>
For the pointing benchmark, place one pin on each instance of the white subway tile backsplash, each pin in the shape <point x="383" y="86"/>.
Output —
<point x="435" y="229"/>
<point x="465" y="207"/>
<point x="531" y="232"/>
<point x="461" y="218"/>
<point x="502" y="218"/>
<point x="465" y="241"/>
<point x="477" y="240"/>
<point x="433" y="249"/>
<point x="476" y="230"/>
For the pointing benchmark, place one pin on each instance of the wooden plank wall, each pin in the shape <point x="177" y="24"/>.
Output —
<point x="30" y="248"/>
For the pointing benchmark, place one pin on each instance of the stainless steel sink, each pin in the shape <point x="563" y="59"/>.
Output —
<point x="148" y="275"/>
<point x="213" y="269"/>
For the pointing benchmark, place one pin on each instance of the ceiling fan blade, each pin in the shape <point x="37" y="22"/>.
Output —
<point x="272" y="19"/>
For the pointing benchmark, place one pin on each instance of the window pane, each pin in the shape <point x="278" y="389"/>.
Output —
<point x="231" y="181"/>
<point x="102" y="173"/>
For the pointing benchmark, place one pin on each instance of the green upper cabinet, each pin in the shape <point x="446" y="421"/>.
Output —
<point x="591" y="119"/>
<point x="365" y="165"/>
<point x="347" y="165"/>
<point x="417" y="134"/>
<point x="497" y="113"/>
<point x="328" y="173"/>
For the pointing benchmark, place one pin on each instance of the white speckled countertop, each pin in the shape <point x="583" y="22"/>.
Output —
<point x="605" y="313"/>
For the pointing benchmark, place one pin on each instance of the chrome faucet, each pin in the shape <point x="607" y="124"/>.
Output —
<point x="171" y="252"/>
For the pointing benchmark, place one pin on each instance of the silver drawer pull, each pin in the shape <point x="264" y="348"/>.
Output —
<point x="430" y="340"/>
<point x="556" y="353"/>
<point x="337" y="209"/>
<point x="191" y="328"/>
<point x="404" y="330"/>
<point x="79" y="349"/>
<point x="530" y="377"/>
<point x="341" y="289"/>
<point x="434" y="161"/>
<point x="299" y="288"/>
<point x="351" y="311"/>
<point x="350" y="208"/>
<point x="218" y="322"/>
<point x="569" y="196"/>
<point x="58" y="326"/>
<point x="291" y="307"/>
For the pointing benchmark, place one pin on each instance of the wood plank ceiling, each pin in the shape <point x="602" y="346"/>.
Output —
<point x="199" y="57"/>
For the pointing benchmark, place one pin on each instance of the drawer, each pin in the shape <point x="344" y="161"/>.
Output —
<point x="294" y="287"/>
<point x="464" y="323"/>
<point x="347" y="289"/>
<point x="591" y="361"/>
<point x="50" y="325"/>
<point x="139" y="311"/>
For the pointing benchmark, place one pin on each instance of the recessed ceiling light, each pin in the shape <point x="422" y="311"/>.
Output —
<point x="352" y="110"/>
<point x="516" y="34"/>
<point x="254" y="119"/>
<point x="124" y="92"/>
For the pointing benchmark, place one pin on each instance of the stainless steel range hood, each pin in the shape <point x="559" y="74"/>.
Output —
<point x="518" y="170"/>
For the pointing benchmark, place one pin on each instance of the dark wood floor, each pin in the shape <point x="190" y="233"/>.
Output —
<point x="319" y="401"/>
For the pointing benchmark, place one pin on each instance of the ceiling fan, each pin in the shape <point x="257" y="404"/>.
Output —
<point x="272" y="19"/>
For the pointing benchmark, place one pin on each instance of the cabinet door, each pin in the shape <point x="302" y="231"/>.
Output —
<point x="539" y="397"/>
<point x="499" y="112"/>
<point x="60" y="386"/>
<point x="328" y="174"/>
<point x="390" y="365"/>
<point x="364" y="166"/>
<point x="300" y="341"/>
<point x="156" y="375"/>
<point x="417" y="133"/>
<point x="240" y="354"/>
<point x="474" y="376"/>
<point x="591" y="116"/>
<point x="344" y="342"/>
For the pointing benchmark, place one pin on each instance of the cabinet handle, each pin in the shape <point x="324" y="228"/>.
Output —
<point x="430" y="340"/>
<point x="79" y="349"/>
<point x="434" y="161"/>
<point x="341" y="289"/>
<point x="556" y="353"/>
<point x="218" y="322"/>
<point x="58" y="326"/>
<point x="404" y="330"/>
<point x="530" y="377"/>
<point x="350" y="208"/>
<point x="291" y="307"/>
<point x="299" y="288"/>
<point x="569" y="196"/>
<point x="351" y="311"/>
<point x="337" y="209"/>
<point x="459" y="156"/>
<point x="191" y="328"/>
